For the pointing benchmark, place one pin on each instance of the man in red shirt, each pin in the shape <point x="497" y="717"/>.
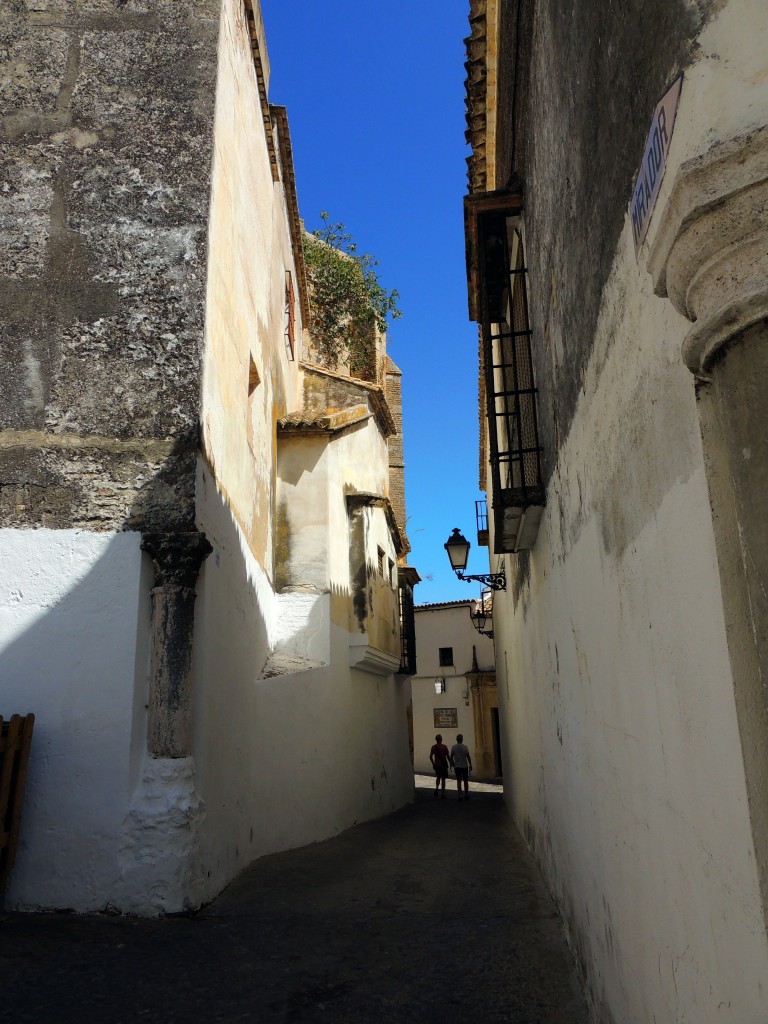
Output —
<point x="438" y="755"/>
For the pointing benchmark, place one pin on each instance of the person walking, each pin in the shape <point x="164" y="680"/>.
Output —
<point x="462" y="765"/>
<point x="439" y="756"/>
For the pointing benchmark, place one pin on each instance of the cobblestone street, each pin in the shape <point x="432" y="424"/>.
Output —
<point x="435" y="913"/>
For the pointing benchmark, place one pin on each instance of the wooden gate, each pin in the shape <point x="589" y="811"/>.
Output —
<point x="15" y="741"/>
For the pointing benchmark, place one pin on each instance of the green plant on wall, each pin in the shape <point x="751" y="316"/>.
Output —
<point x="349" y="305"/>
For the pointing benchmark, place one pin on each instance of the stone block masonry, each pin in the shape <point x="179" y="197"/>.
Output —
<point x="105" y="146"/>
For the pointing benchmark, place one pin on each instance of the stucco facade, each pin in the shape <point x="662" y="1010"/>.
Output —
<point x="628" y="642"/>
<point x="450" y="652"/>
<point x="200" y="562"/>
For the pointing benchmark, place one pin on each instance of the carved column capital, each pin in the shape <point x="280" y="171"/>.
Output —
<point x="177" y="557"/>
<point x="710" y="253"/>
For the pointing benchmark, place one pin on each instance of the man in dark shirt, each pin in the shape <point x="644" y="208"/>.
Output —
<point x="438" y="755"/>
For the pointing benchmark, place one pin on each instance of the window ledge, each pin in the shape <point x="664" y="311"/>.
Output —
<point x="370" y="659"/>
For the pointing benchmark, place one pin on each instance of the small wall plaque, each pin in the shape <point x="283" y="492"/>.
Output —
<point x="446" y="718"/>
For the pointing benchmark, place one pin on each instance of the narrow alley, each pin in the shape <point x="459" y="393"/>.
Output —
<point x="433" y="913"/>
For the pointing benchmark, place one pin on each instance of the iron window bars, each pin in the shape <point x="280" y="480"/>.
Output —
<point x="499" y="301"/>
<point x="407" y="626"/>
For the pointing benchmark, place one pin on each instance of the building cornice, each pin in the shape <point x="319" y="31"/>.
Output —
<point x="330" y="422"/>
<point x="291" y="199"/>
<point x="435" y="605"/>
<point x="374" y="392"/>
<point x="366" y="500"/>
<point x="476" y="89"/>
<point x="261" y="67"/>
<point x="275" y="120"/>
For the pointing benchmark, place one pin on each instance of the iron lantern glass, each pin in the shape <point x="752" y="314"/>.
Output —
<point x="457" y="547"/>
<point x="480" y="617"/>
<point x="482" y="613"/>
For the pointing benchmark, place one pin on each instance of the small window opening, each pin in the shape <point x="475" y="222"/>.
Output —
<point x="445" y="655"/>
<point x="253" y="376"/>
<point x="392" y="573"/>
<point x="382" y="561"/>
<point x="253" y="382"/>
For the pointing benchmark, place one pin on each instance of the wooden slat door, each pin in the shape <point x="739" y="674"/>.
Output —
<point x="15" y="742"/>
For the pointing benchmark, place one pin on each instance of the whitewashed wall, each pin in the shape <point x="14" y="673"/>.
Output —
<point x="626" y="770"/>
<point x="296" y="757"/>
<point x="444" y="625"/>
<point x="74" y="650"/>
<point x="249" y="251"/>
<point x="290" y="744"/>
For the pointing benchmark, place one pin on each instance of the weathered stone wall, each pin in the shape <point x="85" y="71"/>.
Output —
<point x="145" y="246"/>
<point x="106" y="137"/>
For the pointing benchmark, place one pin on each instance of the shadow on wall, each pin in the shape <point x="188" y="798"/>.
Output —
<point x="75" y="628"/>
<point x="74" y="648"/>
<point x="75" y="607"/>
<point x="75" y="633"/>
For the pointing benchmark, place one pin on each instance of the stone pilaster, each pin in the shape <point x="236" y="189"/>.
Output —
<point x="177" y="558"/>
<point x="482" y="689"/>
<point x="710" y="257"/>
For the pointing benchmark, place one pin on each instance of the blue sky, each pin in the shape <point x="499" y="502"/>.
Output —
<point x="375" y="99"/>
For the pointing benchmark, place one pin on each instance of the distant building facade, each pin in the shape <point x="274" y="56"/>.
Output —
<point x="616" y="240"/>
<point x="203" y="577"/>
<point x="454" y="688"/>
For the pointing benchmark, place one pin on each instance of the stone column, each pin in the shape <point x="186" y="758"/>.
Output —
<point x="177" y="558"/>
<point x="710" y="257"/>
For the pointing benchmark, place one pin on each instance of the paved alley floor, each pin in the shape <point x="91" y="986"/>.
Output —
<point x="433" y="914"/>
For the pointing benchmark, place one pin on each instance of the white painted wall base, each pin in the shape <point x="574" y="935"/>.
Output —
<point x="291" y="758"/>
<point x="74" y="634"/>
<point x="160" y="840"/>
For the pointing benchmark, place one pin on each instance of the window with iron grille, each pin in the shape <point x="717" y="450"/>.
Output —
<point x="513" y="440"/>
<point x="481" y="518"/>
<point x="407" y="627"/>
<point x="290" y="316"/>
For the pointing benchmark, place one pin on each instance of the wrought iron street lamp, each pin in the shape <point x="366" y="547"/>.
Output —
<point x="457" y="547"/>
<point x="482" y="612"/>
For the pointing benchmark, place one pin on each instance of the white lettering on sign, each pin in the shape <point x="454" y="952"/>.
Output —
<point x="651" y="173"/>
<point x="446" y="718"/>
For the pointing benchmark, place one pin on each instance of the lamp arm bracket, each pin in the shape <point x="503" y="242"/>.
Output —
<point x="494" y="580"/>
